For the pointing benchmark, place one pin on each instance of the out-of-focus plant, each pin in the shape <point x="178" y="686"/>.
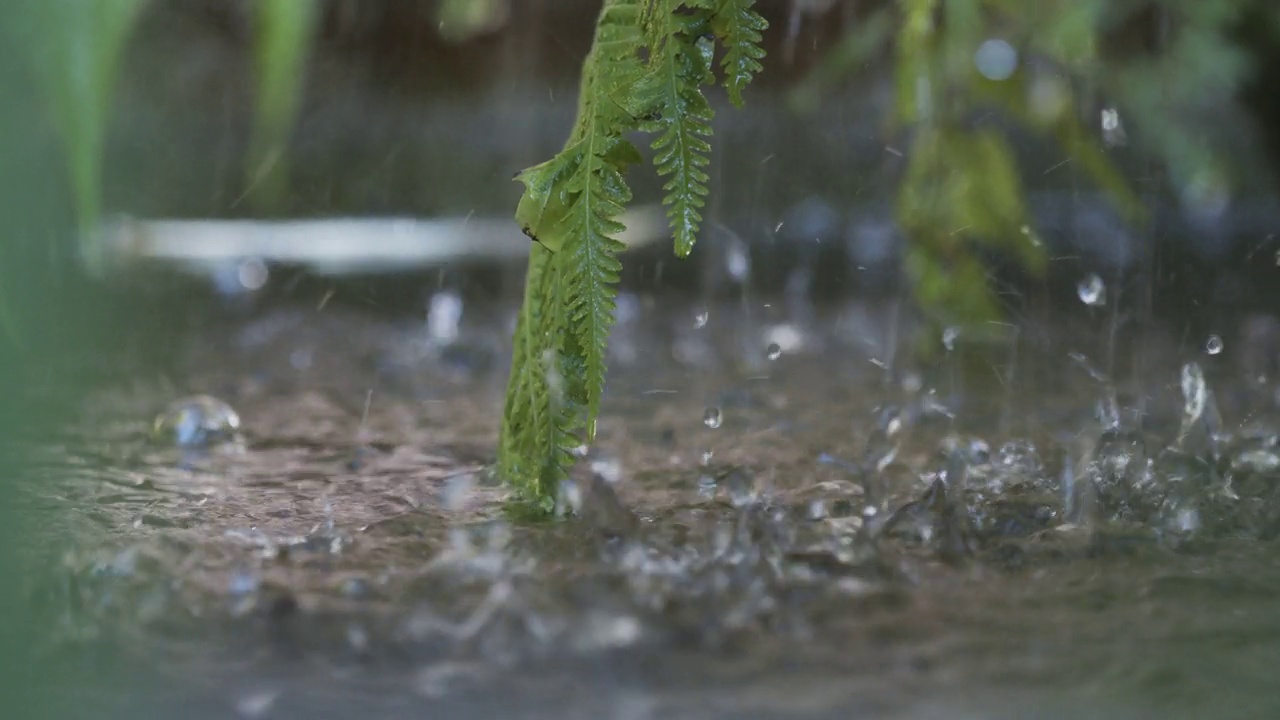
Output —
<point x="959" y="64"/>
<point x="74" y="51"/>
<point x="461" y="20"/>
<point x="283" y="33"/>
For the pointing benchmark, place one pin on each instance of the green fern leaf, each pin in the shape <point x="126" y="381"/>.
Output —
<point x="645" y="71"/>
<point x="740" y="29"/>
<point x="681" y="66"/>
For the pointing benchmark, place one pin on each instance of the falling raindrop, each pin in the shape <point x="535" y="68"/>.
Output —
<point x="706" y="487"/>
<point x="774" y="351"/>
<point x="252" y="274"/>
<point x="1092" y="291"/>
<point x="700" y="320"/>
<point x="712" y="418"/>
<point x="443" y="317"/>
<point x="457" y="492"/>
<point x="949" y="337"/>
<point x="1195" y="395"/>
<point x="570" y="498"/>
<point x="738" y="262"/>
<point x="256" y="704"/>
<point x="1214" y="345"/>
<point x="742" y="488"/>
<point x="706" y="457"/>
<point x="817" y="510"/>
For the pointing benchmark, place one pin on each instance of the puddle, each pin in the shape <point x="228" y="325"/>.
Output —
<point x="804" y="527"/>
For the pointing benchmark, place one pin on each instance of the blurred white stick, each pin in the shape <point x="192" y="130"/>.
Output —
<point x="340" y="245"/>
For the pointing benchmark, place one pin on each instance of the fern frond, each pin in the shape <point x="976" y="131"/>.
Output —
<point x="601" y="195"/>
<point x="739" y="28"/>
<point x="680" y="68"/>
<point x="572" y="204"/>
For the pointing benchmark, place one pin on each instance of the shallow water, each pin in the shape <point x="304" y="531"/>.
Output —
<point x="862" y="534"/>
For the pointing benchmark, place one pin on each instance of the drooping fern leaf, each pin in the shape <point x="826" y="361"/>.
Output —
<point x="682" y="64"/>
<point x="740" y="29"/>
<point x="645" y="71"/>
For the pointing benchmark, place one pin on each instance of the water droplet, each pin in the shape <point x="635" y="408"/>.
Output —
<point x="242" y="583"/>
<point x="443" y="317"/>
<point x="1092" y="291"/>
<point x="252" y="274"/>
<point x="949" y="337"/>
<point x="774" y="351"/>
<point x="700" y="320"/>
<point x="569" y="499"/>
<point x="996" y="59"/>
<point x="742" y="488"/>
<point x="1213" y="345"/>
<point x="457" y="492"/>
<point x="706" y="457"/>
<point x="737" y="262"/>
<point x="817" y="510"/>
<point x="706" y="487"/>
<point x="712" y="418"/>
<point x="1195" y="395"/>
<point x="609" y="470"/>
<point x="257" y="704"/>
<point x="197" y="421"/>
<point x="301" y="359"/>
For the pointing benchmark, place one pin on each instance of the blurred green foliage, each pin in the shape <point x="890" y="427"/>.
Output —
<point x="73" y="49"/>
<point x="961" y="192"/>
<point x="283" y="33"/>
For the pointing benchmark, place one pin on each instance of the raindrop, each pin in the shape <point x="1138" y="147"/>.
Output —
<point x="252" y="274"/>
<point x="301" y="359"/>
<point x="817" y="510"/>
<point x="1195" y="395"/>
<point x="570" y="498"/>
<point x="197" y="421"/>
<point x="1214" y="345"/>
<point x="706" y="487"/>
<point x="257" y="704"/>
<point x="443" y="317"/>
<point x="1092" y="291"/>
<point x="700" y="320"/>
<point x="706" y="457"/>
<point x="609" y="470"/>
<point x="712" y="418"/>
<point x="949" y="337"/>
<point x="774" y="351"/>
<point x="742" y="488"/>
<point x="242" y="583"/>
<point x="738" y="262"/>
<point x="996" y="59"/>
<point x="457" y="492"/>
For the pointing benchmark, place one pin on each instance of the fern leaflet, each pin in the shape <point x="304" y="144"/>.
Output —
<point x="681" y="66"/>
<point x="740" y="29"/>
